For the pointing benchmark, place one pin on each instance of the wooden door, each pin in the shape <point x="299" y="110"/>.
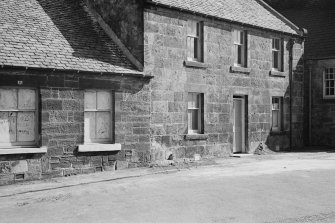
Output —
<point x="239" y="129"/>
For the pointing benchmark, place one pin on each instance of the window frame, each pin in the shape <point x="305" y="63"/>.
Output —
<point x="200" y="42"/>
<point x="96" y="110"/>
<point x="243" y="45"/>
<point x="280" y="114"/>
<point x="27" y="144"/>
<point x="200" y="121"/>
<point x="324" y="83"/>
<point x="280" y="51"/>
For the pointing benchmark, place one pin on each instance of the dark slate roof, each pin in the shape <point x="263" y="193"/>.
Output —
<point x="320" y="24"/>
<point x="251" y="12"/>
<point x="57" y="34"/>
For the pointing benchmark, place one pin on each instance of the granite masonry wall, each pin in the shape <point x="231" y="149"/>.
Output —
<point x="323" y="110"/>
<point x="165" y="33"/>
<point x="61" y="125"/>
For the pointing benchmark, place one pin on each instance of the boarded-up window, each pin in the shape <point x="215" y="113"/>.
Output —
<point x="18" y="117"/>
<point x="98" y="116"/>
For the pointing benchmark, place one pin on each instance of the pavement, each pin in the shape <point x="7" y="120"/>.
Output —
<point x="281" y="187"/>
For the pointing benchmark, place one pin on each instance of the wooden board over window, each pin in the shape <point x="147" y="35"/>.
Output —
<point x="98" y="116"/>
<point x="17" y="117"/>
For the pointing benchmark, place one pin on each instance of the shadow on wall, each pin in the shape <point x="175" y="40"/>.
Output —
<point x="84" y="36"/>
<point x="292" y="114"/>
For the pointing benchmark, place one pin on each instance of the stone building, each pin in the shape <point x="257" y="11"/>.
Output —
<point x="318" y="18"/>
<point x="71" y="94"/>
<point x="101" y="85"/>
<point x="228" y="75"/>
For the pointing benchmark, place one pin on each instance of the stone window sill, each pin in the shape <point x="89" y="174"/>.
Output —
<point x="99" y="147"/>
<point x="196" y="137"/>
<point x="195" y="64"/>
<point x="12" y="151"/>
<point x="236" y="69"/>
<point x="276" y="73"/>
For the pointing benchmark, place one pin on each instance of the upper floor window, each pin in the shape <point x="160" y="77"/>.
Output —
<point x="18" y="117"/>
<point x="277" y="114"/>
<point x="194" y="41"/>
<point x="240" y="49"/>
<point x="329" y="83"/>
<point x="98" y="116"/>
<point x="195" y="113"/>
<point x="277" y="54"/>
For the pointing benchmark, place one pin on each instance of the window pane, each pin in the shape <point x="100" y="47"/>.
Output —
<point x="103" y="122"/>
<point x="275" y="59"/>
<point x="8" y="99"/>
<point x="241" y="37"/>
<point x="26" y="126"/>
<point x="239" y="54"/>
<point x="27" y="99"/>
<point x="90" y="100"/>
<point x="189" y="47"/>
<point x="327" y="91"/>
<point x="275" y="119"/>
<point x="104" y="100"/>
<point x="327" y="83"/>
<point x="194" y="114"/>
<point x="4" y="128"/>
<point x="195" y="50"/>
<point x="89" y="126"/>
<point x="331" y="92"/>
<point x="237" y="36"/>
<point x="192" y="28"/>
<point x="191" y="100"/>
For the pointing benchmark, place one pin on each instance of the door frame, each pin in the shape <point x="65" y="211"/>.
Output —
<point x="242" y="99"/>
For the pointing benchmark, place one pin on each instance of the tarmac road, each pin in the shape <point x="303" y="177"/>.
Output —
<point x="294" y="187"/>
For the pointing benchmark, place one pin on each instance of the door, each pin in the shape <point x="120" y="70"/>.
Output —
<point x="239" y="129"/>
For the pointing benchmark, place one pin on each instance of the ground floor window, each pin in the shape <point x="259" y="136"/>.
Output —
<point x="277" y="114"/>
<point x="329" y="83"/>
<point x="195" y="113"/>
<point x="18" y="117"/>
<point x="98" y="116"/>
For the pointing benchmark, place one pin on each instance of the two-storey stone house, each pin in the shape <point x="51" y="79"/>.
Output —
<point x="228" y="75"/>
<point x="219" y="77"/>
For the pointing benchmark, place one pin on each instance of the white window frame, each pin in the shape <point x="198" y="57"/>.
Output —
<point x="238" y="42"/>
<point x="329" y="82"/>
<point x="280" y="52"/>
<point x="96" y="110"/>
<point x="280" y="114"/>
<point x="192" y="53"/>
<point x="198" y="97"/>
<point x="27" y="144"/>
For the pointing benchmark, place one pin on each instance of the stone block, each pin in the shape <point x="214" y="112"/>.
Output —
<point x="121" y="165"/>
<point x="19" y="166"/>
<point x="52" y="174"/>
<point x="7" y="178"/>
